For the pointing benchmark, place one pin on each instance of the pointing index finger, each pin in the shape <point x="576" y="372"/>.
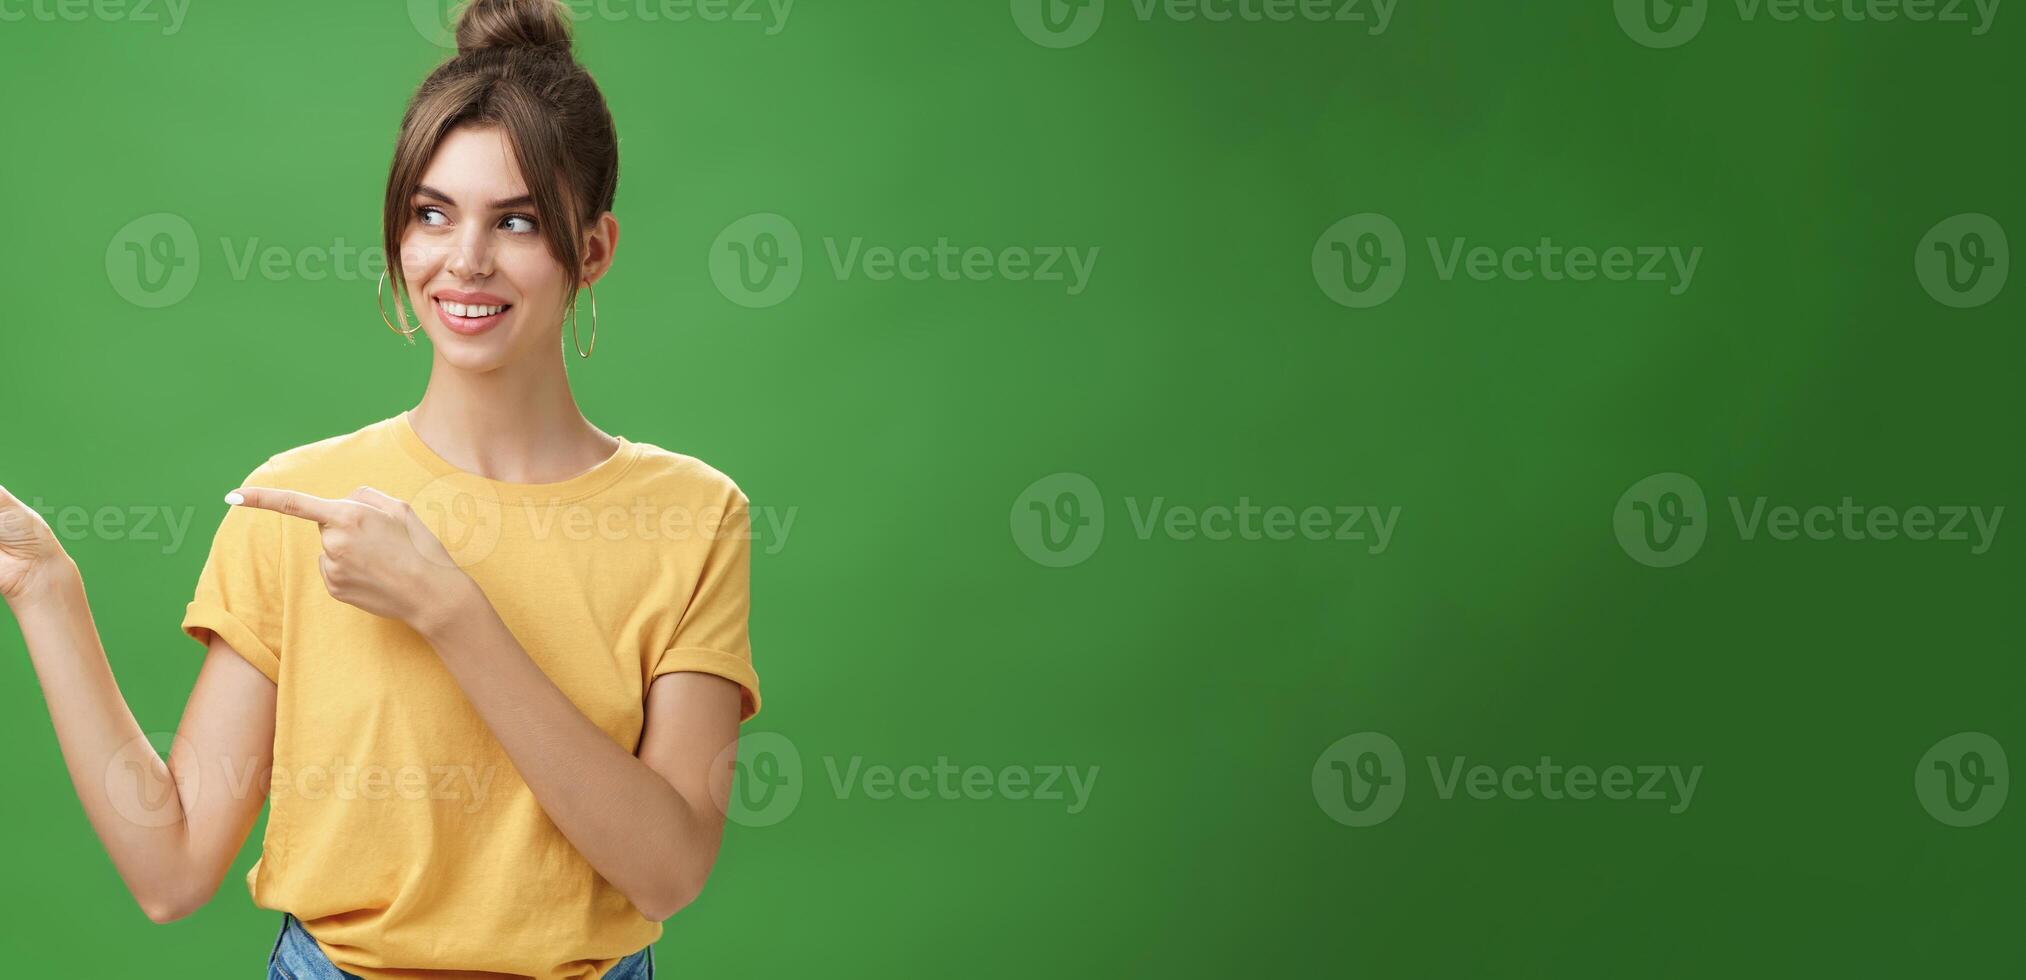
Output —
<point x="293" y="503"/>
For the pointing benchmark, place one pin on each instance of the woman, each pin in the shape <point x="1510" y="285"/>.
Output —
<point x="487" y="661"/>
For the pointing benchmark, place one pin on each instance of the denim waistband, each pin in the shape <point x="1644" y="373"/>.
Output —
<point x="296" y="956"/>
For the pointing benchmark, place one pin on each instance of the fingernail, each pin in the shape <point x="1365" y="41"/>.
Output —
<point x="235" y="498"/>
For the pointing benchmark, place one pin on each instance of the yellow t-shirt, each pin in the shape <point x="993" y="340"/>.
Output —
<point x="399" y="831"/>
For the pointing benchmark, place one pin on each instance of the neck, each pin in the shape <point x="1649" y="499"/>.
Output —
<point x="517" y="424"/>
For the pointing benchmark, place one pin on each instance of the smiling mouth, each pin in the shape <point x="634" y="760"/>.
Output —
<point x="471" y="318"/>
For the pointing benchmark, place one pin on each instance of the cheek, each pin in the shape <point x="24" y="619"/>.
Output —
<point x="420" y="257"/>
<point x="536" y="278"/>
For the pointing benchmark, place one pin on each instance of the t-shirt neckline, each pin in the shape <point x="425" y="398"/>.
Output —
<point x="584" y="484"/>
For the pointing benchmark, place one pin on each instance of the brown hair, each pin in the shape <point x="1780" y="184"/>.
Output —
<point x="514" y="69"/>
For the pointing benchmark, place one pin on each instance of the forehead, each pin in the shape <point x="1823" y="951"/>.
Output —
<point x="475" y="160"/>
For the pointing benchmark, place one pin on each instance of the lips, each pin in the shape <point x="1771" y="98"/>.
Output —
<point x="470" y="313"/>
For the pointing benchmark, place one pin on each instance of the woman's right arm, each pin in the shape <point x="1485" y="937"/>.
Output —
<point x="172" y="828"/>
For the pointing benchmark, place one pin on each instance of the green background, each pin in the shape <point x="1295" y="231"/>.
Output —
<point x="900" y="622"/>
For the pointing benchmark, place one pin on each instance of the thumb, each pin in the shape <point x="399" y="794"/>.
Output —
<point x="379" y="501"/>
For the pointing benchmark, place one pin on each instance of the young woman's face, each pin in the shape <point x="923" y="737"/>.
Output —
<point x="478" y="267"/>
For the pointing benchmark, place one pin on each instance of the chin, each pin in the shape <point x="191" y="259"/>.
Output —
<point x="479" y="354"/>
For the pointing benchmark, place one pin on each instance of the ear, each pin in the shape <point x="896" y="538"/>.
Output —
<point x="601" y="241"/>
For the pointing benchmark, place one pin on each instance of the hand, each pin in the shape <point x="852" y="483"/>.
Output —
<point x="378" y="555"/>
<point x="31" y="559"/>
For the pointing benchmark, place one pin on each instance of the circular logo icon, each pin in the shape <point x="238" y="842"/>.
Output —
<point x="1361" y="260"/>
<point x="756" y="261"/>
<point x="1662" y="520"/>
<point x="466" y="516"/>
<point x="1662" y="23"/>
<point x="1963" y="779"/>
<point x="432" y="20"/>
<point x="1360" y="779"/>
<point x="1058" y="521"/>
<point x="152" y="261"/>
<point x="1058" y="23"/>
<point x="137" y="795"/>
<point x="1963" y="261"/>
<point x="757" y="780"/>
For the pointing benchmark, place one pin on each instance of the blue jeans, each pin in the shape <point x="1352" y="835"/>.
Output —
<point x="296" y="956"/>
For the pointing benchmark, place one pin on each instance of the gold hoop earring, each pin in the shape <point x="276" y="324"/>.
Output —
<point x="380" y="295"/>
<point x="574" y="342"/>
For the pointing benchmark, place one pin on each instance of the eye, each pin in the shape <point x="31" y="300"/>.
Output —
<point x="519" y="224"/>
<point x="425" y="215"/>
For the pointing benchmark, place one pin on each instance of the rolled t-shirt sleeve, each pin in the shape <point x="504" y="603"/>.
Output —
<point x="239" y="590"/>
<point x="711" y="637"/>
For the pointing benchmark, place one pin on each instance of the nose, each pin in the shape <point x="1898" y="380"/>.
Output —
<point x="471" y="254"/>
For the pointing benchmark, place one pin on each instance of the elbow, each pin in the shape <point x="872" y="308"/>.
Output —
<point x="165" y="907"/>
<point x="162" y="912"/>
<point x="672" y="898"/>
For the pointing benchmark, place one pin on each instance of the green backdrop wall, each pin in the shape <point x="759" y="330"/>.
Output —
<point x="1259" y="423"/>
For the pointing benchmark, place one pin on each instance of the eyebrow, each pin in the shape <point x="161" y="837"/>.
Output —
<point x="522" y="201"/>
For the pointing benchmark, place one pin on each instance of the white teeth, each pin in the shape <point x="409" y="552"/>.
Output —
<point x="461" y="309"/>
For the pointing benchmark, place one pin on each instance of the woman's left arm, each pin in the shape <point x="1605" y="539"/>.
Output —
<point x="649" y="824"/>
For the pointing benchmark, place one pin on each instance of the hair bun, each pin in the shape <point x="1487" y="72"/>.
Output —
<point x="487" y="24"/>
